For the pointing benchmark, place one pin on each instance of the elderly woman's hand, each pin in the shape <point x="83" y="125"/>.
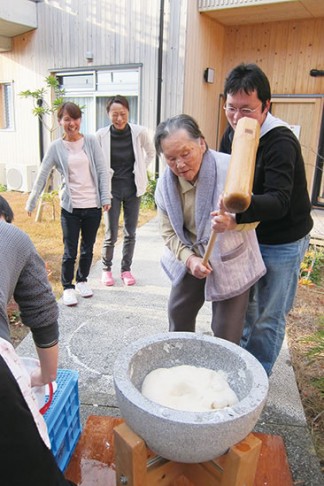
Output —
<point x="196" y="268"/>
<point x="221" y="220"/>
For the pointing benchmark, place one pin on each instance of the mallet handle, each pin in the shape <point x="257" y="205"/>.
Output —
<point x="209" y="248"/>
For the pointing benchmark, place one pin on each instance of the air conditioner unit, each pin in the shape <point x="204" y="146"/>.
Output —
<point x="21" y="177"/>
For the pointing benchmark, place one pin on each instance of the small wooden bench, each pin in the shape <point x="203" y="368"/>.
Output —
<point x="94" y="462"/>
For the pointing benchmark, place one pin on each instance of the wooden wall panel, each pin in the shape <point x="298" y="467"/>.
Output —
<point x="307" y="114"/>
<point x="286" y="51"/>
<point x="204" y="49"/>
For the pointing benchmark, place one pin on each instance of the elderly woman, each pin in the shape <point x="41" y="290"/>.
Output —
<point x="85" y="190"/>
<point x="186" y="195"/>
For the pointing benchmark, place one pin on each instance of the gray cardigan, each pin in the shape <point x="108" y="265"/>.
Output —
<point x="236" y="259"/>
<point x="57" y="156"/>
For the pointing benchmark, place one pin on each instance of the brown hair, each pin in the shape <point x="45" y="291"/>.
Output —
<point x="117" y="99"/>
<point x="73" y="110"/>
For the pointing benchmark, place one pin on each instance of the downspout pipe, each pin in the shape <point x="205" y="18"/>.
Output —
<point x="40" y="131"/>
<point x="159" y="80"/>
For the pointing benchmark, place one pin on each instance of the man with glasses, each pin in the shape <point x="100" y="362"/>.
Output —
<point x="280" y="203"/>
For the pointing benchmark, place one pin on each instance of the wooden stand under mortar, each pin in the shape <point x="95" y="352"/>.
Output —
<point x="134" y="468"/>
<point x="109" y="453"/>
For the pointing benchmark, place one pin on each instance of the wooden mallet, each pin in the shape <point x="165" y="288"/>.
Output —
<point x="239" y="179"/>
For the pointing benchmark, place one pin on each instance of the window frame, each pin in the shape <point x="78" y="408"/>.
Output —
<point x="7" y="113"/>
<point x="91" y="122"/>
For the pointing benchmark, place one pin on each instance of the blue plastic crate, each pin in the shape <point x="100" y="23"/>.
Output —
<point x="63" y="417"/>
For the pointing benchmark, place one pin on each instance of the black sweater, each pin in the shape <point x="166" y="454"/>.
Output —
<point x="122" y="154"/>
<point x="280" y="198"/>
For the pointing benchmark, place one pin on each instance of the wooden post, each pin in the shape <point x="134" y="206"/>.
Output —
<point x="131" y="459"/>
<point x="241" y="463"/>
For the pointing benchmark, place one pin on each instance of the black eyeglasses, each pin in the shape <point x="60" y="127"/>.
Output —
<point x="231" y="110"/>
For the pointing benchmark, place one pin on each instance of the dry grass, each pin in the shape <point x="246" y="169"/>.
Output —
<point x="306" y="322"/>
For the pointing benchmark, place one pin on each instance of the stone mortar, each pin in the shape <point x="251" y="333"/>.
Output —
<point x="181" y="436"/>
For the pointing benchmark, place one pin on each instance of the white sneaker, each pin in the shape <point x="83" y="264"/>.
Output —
<point x="84" y="289"/>
<point x="69" y="297"/>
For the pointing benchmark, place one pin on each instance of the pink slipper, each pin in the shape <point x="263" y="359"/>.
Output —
<point x="128" y="278"/>
<point x="107" y="278"/>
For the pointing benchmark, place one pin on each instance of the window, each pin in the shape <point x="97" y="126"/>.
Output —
<point x="78" y="82"/>
<point x="91" y="90"/>
<point x="6" y="106"/>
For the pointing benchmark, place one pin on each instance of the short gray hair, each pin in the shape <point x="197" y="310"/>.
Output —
<point x="171" y="125"/>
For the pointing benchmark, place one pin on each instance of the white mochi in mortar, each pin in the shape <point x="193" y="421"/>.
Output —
<point x="189" y="388"/>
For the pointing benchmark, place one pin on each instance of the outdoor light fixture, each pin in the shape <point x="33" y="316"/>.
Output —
<point x="89" y="56"/>
<point x="316" y="72"/>
<point x="209" y="74"/>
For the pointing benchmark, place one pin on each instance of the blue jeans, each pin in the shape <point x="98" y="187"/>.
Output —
<point x="87" y="222"/>
<point x="130" y="203"/>
<point x="271" y="299"/>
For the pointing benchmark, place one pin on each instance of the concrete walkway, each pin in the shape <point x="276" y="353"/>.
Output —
<point x="94" y="332"/>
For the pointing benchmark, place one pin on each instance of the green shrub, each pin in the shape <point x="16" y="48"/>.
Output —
<point x="311" y="267"/>
<point x="3" y="188"/>
<point x="147" y="201"/>
<point x="50" y="198"/>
